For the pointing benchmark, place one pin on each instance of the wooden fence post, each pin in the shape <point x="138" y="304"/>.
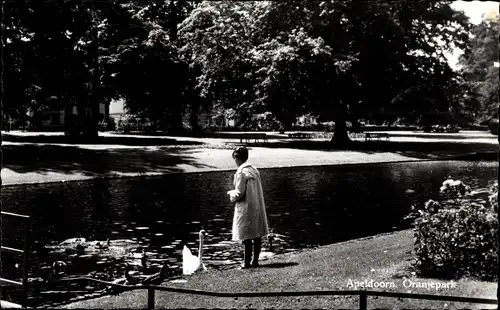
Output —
<point x="362" y="301"/>
<point x="151" y="298"/>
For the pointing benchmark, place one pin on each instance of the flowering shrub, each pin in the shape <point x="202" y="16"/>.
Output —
<point x="452" y="188"/>
<point x="458" y="235"/>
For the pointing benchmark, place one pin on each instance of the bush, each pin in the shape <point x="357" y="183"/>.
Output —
<point x="457" y="236"/>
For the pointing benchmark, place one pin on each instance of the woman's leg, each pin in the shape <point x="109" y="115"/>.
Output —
<point x="247" y="256"/>
<point x="257" y="245"/>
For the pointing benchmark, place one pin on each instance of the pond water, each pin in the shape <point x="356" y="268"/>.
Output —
<point x="307" y="206"/>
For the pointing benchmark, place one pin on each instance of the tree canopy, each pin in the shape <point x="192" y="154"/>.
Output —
<point x="334" y="59"/>
<point x="337" y="60"/>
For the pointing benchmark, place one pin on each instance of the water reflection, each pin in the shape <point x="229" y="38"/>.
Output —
<point x="309" y="206"/>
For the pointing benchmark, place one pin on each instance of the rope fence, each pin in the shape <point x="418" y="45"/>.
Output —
<point x="363" y="294"/>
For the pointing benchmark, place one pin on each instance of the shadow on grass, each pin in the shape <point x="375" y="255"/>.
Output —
<point x="72" y="159"/>
<point x="278" y="265"/>
<point x="129" y="141"/>
<point x="219" y="135"/>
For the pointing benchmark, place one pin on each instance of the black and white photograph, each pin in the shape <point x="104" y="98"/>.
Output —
<point x="287" y="154"/>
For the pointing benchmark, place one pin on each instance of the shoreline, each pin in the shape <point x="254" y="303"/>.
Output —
<point x="81" y="178"/>
<point x="207" y="161"/>
<point x="159" y="174"/>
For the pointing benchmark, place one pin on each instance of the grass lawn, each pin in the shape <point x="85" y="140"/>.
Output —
<point x="382" y="258"/>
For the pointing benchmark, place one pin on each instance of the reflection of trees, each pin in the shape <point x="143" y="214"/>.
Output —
<point x="404" y="172"/>
<point x="98" y="216"/>
<point x="150" y="200"/>
<point x="308" y="181"/>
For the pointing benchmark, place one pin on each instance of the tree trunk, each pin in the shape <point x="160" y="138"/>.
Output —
<point x="354" y="117"/>
<point x="193" y="121"/>
<point x="95" y="102"/>
<point x="356" y="126"/>
<point x="106" y="111"/>
<point x="175" y="119"/>
<point x="286" y="120"/>
<point x="176" y="125"/>
<point x="340" y="136"/>
<point x="68" y="110"/>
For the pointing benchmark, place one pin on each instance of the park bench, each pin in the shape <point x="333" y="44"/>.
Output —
<point x="356" y="135"/>
<point x="378" y="136"/>
<point x="255" y="136"/>
<point x="442" y="129"/>
<point x="299" y="135"/>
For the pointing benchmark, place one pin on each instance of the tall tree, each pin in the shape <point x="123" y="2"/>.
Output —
<point x="58" y="60"/>
<point x="144" y="65"/>
<point x="396" y="44"/>
<point x="215" y="41"/>
<point x="480" y="67"/>
<point x="85" y="58"/>
<point x="250" y="63"/>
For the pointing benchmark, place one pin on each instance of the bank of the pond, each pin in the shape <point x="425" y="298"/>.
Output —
<point x="44" y="157"/>
<point x="84" y="162"/>
<point x="382" y="261"/>
<point x="155" y="161"/>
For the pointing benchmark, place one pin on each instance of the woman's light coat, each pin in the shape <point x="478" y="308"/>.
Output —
<point x="250" y="218"/>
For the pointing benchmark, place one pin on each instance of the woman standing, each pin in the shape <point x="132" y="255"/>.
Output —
<point x="250" y="218"/>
